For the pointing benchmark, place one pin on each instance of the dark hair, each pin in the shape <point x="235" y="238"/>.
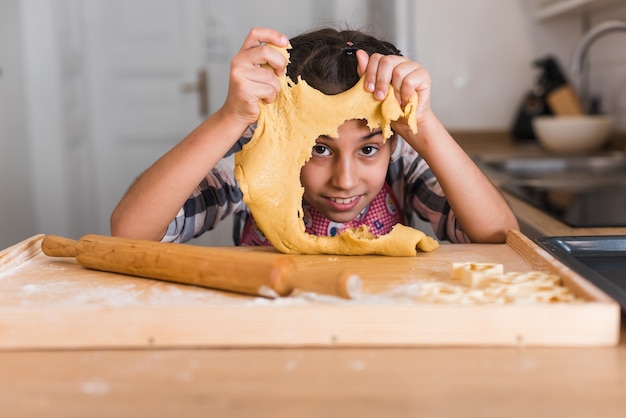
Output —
<point x="326" y="58"/>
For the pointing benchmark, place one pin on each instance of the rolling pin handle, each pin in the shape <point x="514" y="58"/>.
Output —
<point x="345" y="285"/>
<point x="56" y="246"/>
<point x="349" y="286"/>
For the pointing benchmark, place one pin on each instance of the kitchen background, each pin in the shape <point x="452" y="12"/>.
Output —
<point x="93" y="91"/>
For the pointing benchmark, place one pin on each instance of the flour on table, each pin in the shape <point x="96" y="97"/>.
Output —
<point x="70" y="293"/>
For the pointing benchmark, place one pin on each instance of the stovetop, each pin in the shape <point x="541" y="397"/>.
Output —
<point x="576" y="205"/>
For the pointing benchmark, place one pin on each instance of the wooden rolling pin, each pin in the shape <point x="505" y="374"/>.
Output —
<point x="252" y="272"/>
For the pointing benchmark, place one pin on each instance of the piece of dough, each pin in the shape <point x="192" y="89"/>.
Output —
<point x="268" y="167"/>
<point x="477" y="275"/>
<point x="488" y="283"/>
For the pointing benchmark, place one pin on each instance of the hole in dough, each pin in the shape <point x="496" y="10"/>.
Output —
<point x="268" y="167"/>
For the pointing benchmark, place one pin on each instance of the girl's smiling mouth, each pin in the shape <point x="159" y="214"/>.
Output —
<point x="341" y="203"/>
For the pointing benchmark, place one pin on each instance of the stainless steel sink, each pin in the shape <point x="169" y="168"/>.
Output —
<point x="579" y="191"/>
<point x="607" y="166"/>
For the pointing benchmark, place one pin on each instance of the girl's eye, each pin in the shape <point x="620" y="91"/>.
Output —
<point x="320" y="150"/>
<point x="369" y="150"/>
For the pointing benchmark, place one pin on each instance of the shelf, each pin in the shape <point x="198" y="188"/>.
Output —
<point x="549" y="9"/>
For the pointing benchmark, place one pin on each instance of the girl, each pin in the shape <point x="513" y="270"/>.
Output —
<point x="351" y="180"/>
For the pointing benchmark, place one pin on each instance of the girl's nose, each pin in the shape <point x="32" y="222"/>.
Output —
<point x="344" y="174"/>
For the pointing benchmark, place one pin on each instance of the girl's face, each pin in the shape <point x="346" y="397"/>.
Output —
<point x="345" y="173"/>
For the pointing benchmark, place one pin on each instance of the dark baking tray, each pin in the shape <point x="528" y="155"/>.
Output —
<point x="599" y="259"/>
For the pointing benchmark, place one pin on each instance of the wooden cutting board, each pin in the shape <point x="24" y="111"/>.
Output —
<point x="48" y="302"/>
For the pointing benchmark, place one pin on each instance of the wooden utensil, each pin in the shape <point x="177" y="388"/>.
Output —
<point x="564" y="101"/>
<point x="252" y="272"/>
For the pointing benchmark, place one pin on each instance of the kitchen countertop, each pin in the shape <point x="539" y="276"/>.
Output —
<point x="294" y="382"/>
<point x="533" y="222"/>
<point x="303" y="382"/>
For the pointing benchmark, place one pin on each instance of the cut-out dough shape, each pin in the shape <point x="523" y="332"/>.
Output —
<point x="268" y="167"/>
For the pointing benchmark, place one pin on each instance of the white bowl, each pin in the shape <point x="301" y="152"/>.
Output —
<point x="572" y="134"/>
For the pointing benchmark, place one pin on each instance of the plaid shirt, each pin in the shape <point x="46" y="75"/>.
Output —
<point x="409" y="177"/>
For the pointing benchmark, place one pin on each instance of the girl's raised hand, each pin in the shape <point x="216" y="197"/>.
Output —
<point x="254" y="74"/>
<point x="406" y="76"/>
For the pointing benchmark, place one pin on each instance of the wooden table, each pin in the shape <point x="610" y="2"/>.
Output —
<point x="307" y="382"/>
<point x="312" y="382"/>
<point x="334" y="382"/>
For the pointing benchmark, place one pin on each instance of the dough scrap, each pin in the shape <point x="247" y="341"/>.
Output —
<point x="488" y="283"/>
<point x="268" y="167"/>
<point x="476" y="274"/>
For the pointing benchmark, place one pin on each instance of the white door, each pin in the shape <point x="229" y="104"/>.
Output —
<point x="145" y="57"/>
<point x="16" y="205"/>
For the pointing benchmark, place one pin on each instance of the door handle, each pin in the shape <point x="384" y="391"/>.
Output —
<point x="201" y="86"/>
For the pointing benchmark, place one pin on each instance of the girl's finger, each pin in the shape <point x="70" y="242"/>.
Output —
<point x="252" y="76"/>
<point x="371" y="71"/>
<point x="409" y="78"/>
<point x="266" y="77"/>
<point x="386" y="67"/>
<point x="400" y="78"/>
<point x="266" y="55"/>
<point x="260" y="36"/>
<point x="379" y="73"/>
<point x="261" y="56"/>
<point x="362" y="61"/>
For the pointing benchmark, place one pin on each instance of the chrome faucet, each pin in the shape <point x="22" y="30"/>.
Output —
<point x="590" y="37"/>
<point x="580" y="52"/>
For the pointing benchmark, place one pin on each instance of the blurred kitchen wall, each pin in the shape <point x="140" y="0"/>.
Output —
<point x="479" y="56"/>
